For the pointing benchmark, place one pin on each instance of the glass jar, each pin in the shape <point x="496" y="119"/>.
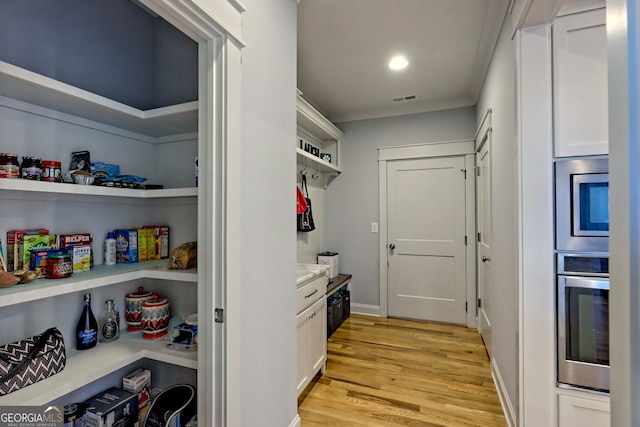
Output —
<point x="9" y="166"/>
<point x="31" y="168"/>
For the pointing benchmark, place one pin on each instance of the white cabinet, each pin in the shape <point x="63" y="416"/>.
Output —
<point x="312" y="330"/>
<point x="576" y="411"/>
<point x="580" y="93"/>
<point x="44" y="117"/>
<point x="315" y="129"/>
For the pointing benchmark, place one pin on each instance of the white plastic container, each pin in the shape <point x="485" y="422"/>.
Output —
<point x="110" y="249"/>
<point x="330" y="259"/>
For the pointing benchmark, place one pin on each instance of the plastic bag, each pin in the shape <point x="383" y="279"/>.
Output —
<point x="184" y="256"/>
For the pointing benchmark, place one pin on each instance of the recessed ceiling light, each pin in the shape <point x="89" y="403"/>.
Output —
<point x="398" y="63"/>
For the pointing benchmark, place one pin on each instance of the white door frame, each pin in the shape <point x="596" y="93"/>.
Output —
<point x="464" y="148"/>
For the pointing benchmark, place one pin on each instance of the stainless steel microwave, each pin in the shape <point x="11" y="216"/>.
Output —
<point x="582" y="205"/>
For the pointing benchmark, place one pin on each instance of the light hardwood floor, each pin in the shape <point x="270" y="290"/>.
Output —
<point x="392" y="372"/>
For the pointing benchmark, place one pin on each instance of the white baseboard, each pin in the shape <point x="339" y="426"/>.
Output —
<point x="507" y="406"/>
<point x="296" y="422"/>
<point x="366" y="309"/>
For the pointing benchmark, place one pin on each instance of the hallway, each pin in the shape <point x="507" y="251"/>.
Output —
<point x="394" y="372"/>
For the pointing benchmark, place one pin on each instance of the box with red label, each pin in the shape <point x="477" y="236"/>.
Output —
<point x="31" y="242"/>
<point x="139" y="381"/>
<point x="161" y="240"/>
<point x="13" y="240"/>
<point x="65" y="240"/>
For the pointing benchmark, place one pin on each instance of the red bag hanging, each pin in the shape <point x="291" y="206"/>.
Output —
<point x="301" y="201"/>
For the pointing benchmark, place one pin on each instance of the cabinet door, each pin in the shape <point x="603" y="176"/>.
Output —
<point x="317" y="336"/>
<point x="578" y="412"/>
<point x="580" y="94"/>
<point x="303" y="364"/>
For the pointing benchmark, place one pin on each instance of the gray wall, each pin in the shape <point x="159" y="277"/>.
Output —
<point x="72" y="42"/>
<point x="499" y="93"/>
<point x="268" y="248"/>
<point x="352" y="199"/>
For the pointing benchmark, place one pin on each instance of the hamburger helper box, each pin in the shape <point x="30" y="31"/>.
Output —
<point x="79" y="246"/>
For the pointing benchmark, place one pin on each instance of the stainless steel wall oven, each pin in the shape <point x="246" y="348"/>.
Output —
<point x="583" y="320"/>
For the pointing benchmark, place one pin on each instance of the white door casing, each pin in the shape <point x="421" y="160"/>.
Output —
<point x="484" y="227"/>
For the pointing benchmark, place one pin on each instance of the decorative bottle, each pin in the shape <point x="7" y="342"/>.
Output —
<point x="109" y="323"/>
<point x="87" y="329"/>
<point x="110" y="249"/>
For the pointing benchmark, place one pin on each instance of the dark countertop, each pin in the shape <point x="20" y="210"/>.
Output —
<point x="337" y="282"/>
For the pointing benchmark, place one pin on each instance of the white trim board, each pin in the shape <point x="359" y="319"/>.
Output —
<point x="365" y="309"/>
<point x="507" y="406"/>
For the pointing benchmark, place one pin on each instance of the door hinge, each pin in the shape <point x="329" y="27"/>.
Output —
<point x="478" y="170"/>
<point x="479" y="237"/>
<point x="465" y="241"/>
<point x="479" y="302"/>
<point x="219" y="315"/>
<point x="464" y="171"/>
<point x="466" y="307"/>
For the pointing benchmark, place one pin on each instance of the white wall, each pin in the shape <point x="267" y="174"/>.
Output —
<point x="499" y="94"/>
<point x="352" y="198"/>
<point x="267" y="378"/>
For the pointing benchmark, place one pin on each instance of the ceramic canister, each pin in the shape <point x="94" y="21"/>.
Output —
<point x="155" y="317"/>
<point x="133" y="308"/>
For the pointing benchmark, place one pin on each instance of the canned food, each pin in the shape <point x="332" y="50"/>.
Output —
<point x="9" y="166"/>
<point x="59" y="266"/>
<point x="51" y="171"/>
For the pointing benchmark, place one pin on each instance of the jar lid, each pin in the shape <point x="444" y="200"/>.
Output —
<point x="51" y="163"/>
<point x="140" y="293"/>
<point x="155" y="301"/>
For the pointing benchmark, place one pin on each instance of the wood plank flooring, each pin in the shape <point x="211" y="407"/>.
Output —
<point x="392" y="372"/>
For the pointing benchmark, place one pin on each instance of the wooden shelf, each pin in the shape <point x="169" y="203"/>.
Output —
<point x="84" y="367"/>
<point x="33" y="88"/>
<point x="337" y="282"/>
<point x="94" y="190"/>
<point x="100" y="275"/>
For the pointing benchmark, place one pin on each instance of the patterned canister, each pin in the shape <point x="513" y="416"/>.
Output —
<point x="155" y="317"/>
<point x="133" y="308"/>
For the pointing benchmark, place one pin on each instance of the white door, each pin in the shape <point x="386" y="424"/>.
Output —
<point x="426" y="239"/>
<point x="484" y="241"/>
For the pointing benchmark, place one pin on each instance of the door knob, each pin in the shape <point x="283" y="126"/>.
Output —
<point x="392" y="246"/>
<point x="485" y="259"/>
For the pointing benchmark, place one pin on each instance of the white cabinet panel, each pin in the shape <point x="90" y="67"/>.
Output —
<point x="579" y="412"/>
<point x="312" y="342"/>
<point x="580" y="84"/>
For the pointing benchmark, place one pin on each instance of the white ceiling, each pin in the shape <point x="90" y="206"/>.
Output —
<point x="344" y="47"/>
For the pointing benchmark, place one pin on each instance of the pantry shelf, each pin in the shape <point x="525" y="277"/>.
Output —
<point x="33" y="88"/>
<point x="312" y="161"/>
<point x="86" y="366"/>
<point x="94" y="190"/>
<point x="100" y="275"/>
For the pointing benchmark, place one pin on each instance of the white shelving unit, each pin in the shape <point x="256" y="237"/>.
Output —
<point x="32" y="88"/>
<point x="316" y="129"/>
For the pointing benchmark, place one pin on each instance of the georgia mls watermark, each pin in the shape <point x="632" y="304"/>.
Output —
<point x="31" y="416"/>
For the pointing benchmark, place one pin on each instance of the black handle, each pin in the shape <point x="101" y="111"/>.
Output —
<point x="392" y="246"/>
<point x="485" y="259"/>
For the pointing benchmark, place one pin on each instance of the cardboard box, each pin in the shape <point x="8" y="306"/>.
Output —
<point x="30" y="242"/>
<point x="161" y="240"/>
<point x="139" y="381"/>
<point x="111" y="406"/>
<point x="151" y="244"/>
<point x="13" y="240"/>
<point x="126" y="246"/>
<point x="81" y="258"/>
<point x="143" y="253"/>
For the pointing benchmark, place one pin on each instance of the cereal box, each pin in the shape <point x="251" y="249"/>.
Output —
<point x="161" y="240"/>
<point x="30" y="242"/>
<point x="151" y="244"/>
<point x="126" y="245"/>
<point x="142" y="244"/>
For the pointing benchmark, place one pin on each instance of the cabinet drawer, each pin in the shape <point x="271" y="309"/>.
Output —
<point x="307" y="294"/>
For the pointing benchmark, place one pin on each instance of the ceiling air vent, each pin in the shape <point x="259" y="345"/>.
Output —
<point x="404" y="98"/>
